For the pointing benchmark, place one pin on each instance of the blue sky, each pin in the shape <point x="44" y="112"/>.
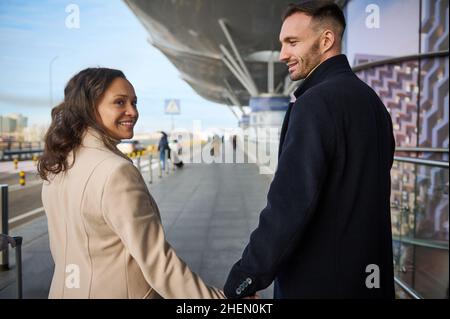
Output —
<point x="32" y="33"/>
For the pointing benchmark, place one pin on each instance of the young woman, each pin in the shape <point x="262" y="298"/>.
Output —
<point x="105" y="230"/>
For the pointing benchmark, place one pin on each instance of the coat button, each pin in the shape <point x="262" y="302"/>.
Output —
<point x="249" y="280"/>
<point x="238" y="291"/>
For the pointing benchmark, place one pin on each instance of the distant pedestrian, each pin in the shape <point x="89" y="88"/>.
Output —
<point x="163" y="147"/>
<point x="175" y="150"/>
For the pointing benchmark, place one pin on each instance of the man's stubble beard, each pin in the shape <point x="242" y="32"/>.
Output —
<point x="308" y="63"/>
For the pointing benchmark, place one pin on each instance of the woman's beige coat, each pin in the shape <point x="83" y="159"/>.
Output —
<point x="106" y="236"/>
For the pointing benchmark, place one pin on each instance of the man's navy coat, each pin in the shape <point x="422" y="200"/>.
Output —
<point x="326" y="229"/>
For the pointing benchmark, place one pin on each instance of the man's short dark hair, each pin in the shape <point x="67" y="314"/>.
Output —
<point x="319" y="10"/>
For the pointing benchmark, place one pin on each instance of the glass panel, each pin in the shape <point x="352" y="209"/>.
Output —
<point x="420" y="227"/>
<point x="432" y="203"/>
<point x="402" y="198"/>
<point x="380" y="29"/>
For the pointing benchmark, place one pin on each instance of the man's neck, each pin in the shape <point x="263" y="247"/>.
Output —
<point x="323" y="59"/>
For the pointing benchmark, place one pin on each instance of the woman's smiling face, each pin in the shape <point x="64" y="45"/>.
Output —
<point x="117" y="110"/>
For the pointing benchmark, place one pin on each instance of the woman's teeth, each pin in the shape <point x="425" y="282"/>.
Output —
<point x="127" y="123"/>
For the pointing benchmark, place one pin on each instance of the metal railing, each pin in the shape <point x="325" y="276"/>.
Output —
<point x="421" y="242"/>
<point x="421" y="161"/>
<point x="422" y="149"/>
<point x="9" y="154"/>
<point x="15" y="242"/>
<point x="414" y="160"/>
<point x="373" y="64"/>
<point x="4" y="226"/>
<point x="411" y="292"/>
<point x="6" y="241"/>
<point x="418" y="242"/>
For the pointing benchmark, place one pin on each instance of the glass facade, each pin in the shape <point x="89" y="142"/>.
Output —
<point x="408" y="42"/>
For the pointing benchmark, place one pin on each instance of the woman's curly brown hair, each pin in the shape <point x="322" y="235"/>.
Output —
<point x="73" y="117"/>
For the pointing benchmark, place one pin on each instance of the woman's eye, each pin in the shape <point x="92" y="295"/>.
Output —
<point x="120" y="102"/>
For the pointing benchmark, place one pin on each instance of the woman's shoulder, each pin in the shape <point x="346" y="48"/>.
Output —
<point x="100" y="160"/>
<point x="112" y="162"/>
<point x="113" y="169"/>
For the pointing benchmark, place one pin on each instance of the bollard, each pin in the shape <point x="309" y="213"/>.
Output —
<point x="16" y="163"/>
<point x="138" y="160"/>
<point x="18" y="247"/>
<point x="4" y="257"/>
<point x="166" y="154"/>
<point x="35" y="160"/>
<point x="160" y="168"/>
<point x="22" y="181"/>
<point x="150" y="170"/>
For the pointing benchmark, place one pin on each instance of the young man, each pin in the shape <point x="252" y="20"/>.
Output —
<point x="326" y="229"/>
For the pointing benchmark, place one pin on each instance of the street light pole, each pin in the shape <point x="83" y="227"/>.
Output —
<point x="50" y="79"/>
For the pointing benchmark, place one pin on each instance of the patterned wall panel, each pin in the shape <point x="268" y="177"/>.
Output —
<point x="434" y="106"/>
<point x="432" y="182"/>
<point x="397" y="87"/>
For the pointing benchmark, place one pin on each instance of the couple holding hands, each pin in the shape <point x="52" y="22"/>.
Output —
<point x="327" y="217"/>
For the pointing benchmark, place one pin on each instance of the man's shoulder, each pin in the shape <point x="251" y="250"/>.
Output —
<point x="337" y="88"/>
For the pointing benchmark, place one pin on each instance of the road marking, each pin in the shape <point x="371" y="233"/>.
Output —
<point x="29" y="184"/>
<point x="26" y="215"/>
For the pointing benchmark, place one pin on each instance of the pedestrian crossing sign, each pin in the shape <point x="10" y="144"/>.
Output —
<point x="172" y="106"/>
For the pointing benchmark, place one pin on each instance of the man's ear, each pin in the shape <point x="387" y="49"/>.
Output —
<point x="327" y="41"/>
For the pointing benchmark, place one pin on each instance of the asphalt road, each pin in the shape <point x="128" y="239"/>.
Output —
<point x="22" y="200"/>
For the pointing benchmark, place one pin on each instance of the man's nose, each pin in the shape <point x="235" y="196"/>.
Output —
<point x="283" y="55"/>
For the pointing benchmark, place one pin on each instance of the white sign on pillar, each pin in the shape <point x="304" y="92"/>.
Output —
<point x="172" y="107"/>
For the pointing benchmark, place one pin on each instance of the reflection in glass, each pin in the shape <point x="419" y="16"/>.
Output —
<point x="420" y="227"/>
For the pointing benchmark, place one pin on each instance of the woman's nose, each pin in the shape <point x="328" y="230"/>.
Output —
<point x="131" y="110"/>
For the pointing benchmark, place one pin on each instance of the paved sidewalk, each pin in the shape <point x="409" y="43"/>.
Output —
<point x="208" y="212"/>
